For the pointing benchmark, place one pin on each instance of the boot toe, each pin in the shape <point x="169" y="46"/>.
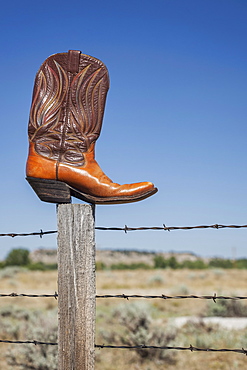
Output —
<point x="139" y="188"/>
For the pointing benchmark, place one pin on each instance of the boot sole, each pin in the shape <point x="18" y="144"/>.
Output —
<point x="54" y="191"/>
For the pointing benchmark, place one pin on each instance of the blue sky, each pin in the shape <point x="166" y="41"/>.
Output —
<point x="175" y="115"/>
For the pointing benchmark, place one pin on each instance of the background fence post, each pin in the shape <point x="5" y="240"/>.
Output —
<point x="76" y="286"/>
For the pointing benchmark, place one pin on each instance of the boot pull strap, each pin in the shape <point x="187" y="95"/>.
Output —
<point x="73" y="61"/>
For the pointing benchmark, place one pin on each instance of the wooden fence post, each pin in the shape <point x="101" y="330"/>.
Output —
<point x="76" y="286"/>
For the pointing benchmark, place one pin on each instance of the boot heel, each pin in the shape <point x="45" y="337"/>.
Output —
<point x="51" y="191"/>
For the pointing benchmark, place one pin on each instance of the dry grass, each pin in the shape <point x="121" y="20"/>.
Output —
<point x="170" y="282"/>
<point x="30" y="282"/>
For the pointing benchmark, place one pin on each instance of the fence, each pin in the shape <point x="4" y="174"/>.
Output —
<point x="77" y="290"/>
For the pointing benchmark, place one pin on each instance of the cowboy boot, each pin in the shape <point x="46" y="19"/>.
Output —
<point x="65" y="121"/>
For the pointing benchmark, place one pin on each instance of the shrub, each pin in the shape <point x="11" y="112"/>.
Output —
<point x="221" y="263"/>
<point x="139" y="328"/>
<point x="226" y="308"/>
<point x="160" y="262"/>
<point x="156" y="280"/>
<point x="131" y="266"/>
<point x="173" y="263"/>
<point x="42" y="266"/>
<point x="240" y="264"/>
<point x="198" y="264"/>
<point x="10" y="271"/>
<point x="100" y="265"/>
<point x="180" y="290"/>
<point x="31" y="325"/>
<point x="17" y="257"/>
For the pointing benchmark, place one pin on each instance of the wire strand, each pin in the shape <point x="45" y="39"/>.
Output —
<point x="141" y="346"/>
<point x="213" y="297"/>
<point x="126" y="228"/>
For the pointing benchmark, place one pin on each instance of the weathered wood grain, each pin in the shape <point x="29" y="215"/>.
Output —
<point x="76" y="286"/>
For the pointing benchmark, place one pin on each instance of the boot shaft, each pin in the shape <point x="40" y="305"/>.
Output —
<point x="67" y="107"/>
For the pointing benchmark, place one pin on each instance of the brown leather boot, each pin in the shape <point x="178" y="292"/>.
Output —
<point x="65" y="121"/>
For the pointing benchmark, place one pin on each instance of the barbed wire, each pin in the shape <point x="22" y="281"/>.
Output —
<point x="190" y="348"/>
<point x="128" y="296"/>
<point x="27" y="342"/>
<point x="141" y="346"/>
<point x="126" y="228"/>
<point x="39" y="233"/>
<point x="55" y="295"/>
<point x="170" y="228"/>
<point x="163" y="296"/>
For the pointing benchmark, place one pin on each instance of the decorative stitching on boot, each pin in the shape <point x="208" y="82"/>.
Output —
<point x="67" y="109"/>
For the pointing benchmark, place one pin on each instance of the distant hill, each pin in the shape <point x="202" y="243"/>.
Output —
<point x="111" y="257"/>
